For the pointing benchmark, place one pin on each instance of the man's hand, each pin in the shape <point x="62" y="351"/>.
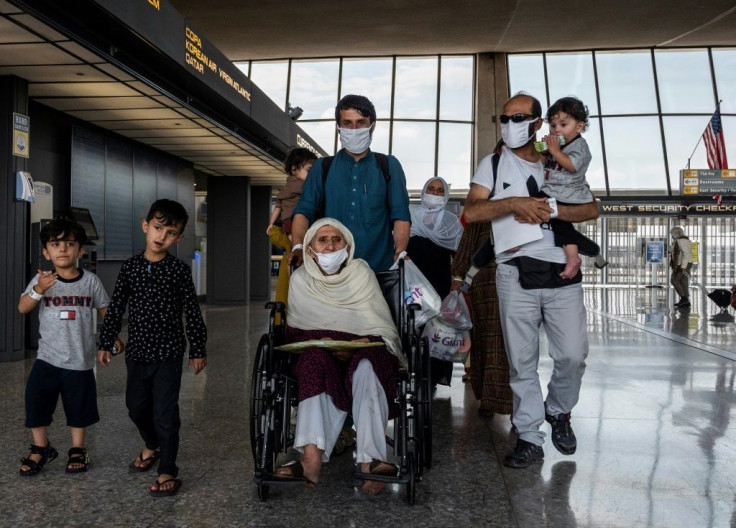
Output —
<point x="295" y="257"/>
<point x="198" y="364"/>
<point x="531" y="210"/>
<point x="104" y="357"/>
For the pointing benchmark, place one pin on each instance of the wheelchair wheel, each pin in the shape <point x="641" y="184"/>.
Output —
<point x="425" y="407"/>
<point x="411" y="483"/>
<point x="264" y="418"/>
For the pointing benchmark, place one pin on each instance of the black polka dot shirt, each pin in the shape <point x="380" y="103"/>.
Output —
<point x="159" y="293"/>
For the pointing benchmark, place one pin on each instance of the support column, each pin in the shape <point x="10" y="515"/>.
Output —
<point x="491" y="92"/>
<point x="228" y="240"/>
<point x="260" y="246"/>
<point x="13" y="222"/>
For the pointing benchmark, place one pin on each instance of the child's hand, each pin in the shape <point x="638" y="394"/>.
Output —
<point x="104" y="357"/>
<point x="198" y="363"/>
<point x="553" y="144"/>
<point x="46" y="279"/>
<point x="268" y="229"/>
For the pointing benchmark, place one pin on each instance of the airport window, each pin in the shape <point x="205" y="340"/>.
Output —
<point x="685" y="83"/>
<point x="634" y="154"/>
<point x="572" y="74"/>
<point x="372" y="78"/>
<point x="270" y="76"/>
<point x="424" y="105"/>
<point x="418" y="163"/>
<point x="313" y="87"/>
<point x="416" y="88"/>
<point x="526" y="74"/>
<point x="648" y="108"/>
<point x="456" y="88"/>
<point x="626" y="83"/>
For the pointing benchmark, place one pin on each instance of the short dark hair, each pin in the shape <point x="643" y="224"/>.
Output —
<point x="573" y="107"/>
<point x="360" y="103"/>
<point x="62" y="229"/>
<point x="297" y="158"/>
<point x="169" y="212"/>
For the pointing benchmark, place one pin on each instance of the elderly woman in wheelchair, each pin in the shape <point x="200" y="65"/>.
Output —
<point x="334" y="297"/>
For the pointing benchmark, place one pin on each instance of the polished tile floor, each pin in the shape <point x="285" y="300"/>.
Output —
<point x="655" y="441"/>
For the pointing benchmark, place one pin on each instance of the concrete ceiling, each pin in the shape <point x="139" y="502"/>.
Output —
<point x="274" y="29"/>
<point x="64" y="75"/>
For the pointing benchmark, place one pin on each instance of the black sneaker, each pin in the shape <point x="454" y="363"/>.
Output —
<point x="523" y="454"/>
<point x="563" y="436"/>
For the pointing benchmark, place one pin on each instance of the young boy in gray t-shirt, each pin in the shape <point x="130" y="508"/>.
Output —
<point x="66" y="298"/>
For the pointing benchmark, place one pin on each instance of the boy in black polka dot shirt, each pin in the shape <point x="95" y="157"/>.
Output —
<point x="160" y="289"/>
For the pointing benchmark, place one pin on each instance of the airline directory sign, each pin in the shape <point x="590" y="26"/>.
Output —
<point x="708" y="182"/>
<point x="158" y="22"/>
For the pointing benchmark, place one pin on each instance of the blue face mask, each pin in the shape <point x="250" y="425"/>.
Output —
<point x="355" y="140"/>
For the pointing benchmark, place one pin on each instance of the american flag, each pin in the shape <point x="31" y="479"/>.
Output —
<point x="719" y="200"/>
<point x="715" y="145"/>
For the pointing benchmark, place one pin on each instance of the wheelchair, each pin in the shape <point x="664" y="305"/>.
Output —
<point x="274" y="393"/>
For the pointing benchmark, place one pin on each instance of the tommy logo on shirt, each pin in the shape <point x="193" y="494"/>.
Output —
<point x="68" y="300"/>
<point x="68" y="315"/>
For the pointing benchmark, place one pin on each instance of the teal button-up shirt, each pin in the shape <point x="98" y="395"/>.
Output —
<point x="358" y="195"/>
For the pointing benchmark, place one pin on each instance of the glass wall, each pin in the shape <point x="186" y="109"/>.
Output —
<point x="648" y="109"/>
<point x="424" y="106"/>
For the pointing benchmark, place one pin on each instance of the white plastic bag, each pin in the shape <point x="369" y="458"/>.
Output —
<point x="454" y="311"/>
<point x="445" y="342"/>
<point x="417" y="289"/>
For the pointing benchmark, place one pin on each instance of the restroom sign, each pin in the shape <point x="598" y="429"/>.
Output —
<point x="21" y="134"/>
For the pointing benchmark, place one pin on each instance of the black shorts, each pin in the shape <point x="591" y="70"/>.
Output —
<point x="78" y="391"/>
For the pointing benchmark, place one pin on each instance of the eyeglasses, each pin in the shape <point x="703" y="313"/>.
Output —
<point x="516" y="118"/>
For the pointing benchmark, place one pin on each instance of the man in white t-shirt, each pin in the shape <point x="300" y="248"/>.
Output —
<point x="530" y="290"/>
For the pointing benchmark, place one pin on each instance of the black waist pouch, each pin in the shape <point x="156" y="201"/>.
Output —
<point x="535" y="274"/>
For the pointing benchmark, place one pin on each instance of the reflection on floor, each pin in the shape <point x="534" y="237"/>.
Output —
<point x="656" y="443"/>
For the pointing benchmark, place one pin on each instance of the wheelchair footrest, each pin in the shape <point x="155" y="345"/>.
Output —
<point x="388" y="479"/>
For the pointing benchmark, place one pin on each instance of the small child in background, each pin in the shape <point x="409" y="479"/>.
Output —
<point x="66" y="299"/>
<point x="296" y="166"/>
<point x="566" y="163"/>
<point x="159" y="290"/>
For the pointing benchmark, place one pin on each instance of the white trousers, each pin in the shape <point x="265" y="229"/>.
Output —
<point x="319" y="421"/>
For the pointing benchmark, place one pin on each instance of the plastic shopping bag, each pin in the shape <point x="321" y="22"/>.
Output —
<point x="445" y="342"/>
<point x="417" y="289"/>
<point x="455" y="312"/>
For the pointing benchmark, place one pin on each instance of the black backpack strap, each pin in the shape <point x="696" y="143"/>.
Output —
<point x="326" y="163"/>
<point x="382" y="160"/>
<point x="494" y="163"/>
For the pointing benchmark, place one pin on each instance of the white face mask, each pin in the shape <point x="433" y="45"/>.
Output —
<point x="331" y="262"/>
<point x="355" y="140"/>
<point x="433" y="202"/>
<point x="516" y="135"/>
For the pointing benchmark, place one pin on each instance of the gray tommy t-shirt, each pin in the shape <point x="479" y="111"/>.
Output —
<point x="67" y="328"/>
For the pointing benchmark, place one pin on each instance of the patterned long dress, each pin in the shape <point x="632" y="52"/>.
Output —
<point x="489" y="367"/>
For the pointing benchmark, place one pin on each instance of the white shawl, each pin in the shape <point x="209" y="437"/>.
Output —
<point x="348" y="301"/>
<point x="438" y="225"/>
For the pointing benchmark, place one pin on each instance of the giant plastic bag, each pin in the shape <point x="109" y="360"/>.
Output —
<point x="445" y="342"/>
<point x="455" y="312"/>
<point x="417" y="289"/>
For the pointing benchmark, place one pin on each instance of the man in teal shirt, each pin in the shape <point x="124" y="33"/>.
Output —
<point x="356" y="192"/>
